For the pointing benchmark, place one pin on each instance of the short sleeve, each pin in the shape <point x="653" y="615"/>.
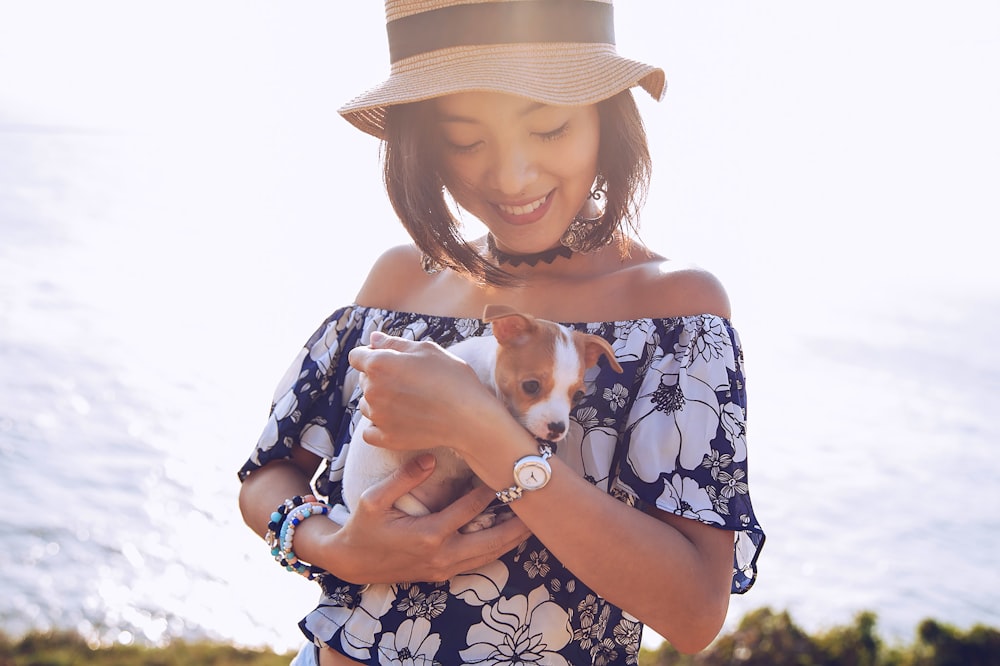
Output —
<point x="685" y="448"/>
<point x="308" y="407"/>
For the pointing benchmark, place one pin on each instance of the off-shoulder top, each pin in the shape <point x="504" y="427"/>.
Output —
<point x="669" y="432"/>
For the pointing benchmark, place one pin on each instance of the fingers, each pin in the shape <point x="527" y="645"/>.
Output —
<point x="379" y="340"/>
<point x="415" y="471"/>
<point x="364" y="357"/>
<point x="465" y="508"/>
<point x="488" y="545"/>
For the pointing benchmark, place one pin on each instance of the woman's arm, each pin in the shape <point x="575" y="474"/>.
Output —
<point x="672" y="573"/>
<point x="380" y="544"/>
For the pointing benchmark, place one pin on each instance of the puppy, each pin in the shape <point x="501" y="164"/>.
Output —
<point x="533" y="365"/>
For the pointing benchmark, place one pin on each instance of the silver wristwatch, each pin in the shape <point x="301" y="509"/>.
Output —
<point x="530" y="473"/>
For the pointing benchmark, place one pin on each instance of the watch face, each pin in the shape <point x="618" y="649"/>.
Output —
<point x="532" y="472"/>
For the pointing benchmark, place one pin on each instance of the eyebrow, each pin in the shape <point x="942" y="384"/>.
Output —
<point x="528" y="108"/>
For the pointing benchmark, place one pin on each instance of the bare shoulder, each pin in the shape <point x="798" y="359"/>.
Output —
<point x="672" y="289"/>
<point x="393" y="277"/>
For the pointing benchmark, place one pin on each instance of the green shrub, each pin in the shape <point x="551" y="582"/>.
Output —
<point x="69" y="649"/>
<point x="767" y="638"/>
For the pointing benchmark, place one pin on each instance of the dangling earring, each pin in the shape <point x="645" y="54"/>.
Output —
<point x="580" y="236"/>
<point x="429" y="265"/>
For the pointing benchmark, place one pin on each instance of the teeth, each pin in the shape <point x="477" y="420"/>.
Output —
<point x="522" y="210"/>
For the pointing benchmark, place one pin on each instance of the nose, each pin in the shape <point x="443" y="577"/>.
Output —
<point x="513" y="170"/>
<point x="556" y="430"/>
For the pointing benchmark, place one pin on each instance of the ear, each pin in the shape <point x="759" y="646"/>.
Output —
<point x="594" y="346"/>
<point x="495" y="310"/>
<point x="509" y="325"/>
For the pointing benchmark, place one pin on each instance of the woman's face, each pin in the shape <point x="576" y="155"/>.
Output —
<point x="525" y="169"/>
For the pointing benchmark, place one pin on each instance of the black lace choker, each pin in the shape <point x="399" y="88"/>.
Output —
<point x="515" y="260"/>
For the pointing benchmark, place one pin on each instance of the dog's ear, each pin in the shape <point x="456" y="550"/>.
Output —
<point x="594" y="346"/>
<point x="495" y="311"/>
<point x="512" y="327"/>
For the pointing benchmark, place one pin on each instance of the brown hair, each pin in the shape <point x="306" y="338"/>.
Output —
<point x="416" y="190"/>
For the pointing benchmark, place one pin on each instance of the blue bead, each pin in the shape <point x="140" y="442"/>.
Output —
<point x="276" y="517"/>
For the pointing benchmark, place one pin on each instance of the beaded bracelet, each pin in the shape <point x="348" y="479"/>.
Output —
<point x="286" y="555"/>
<point x="281" y="531"/>
<point x="279" y="515"/>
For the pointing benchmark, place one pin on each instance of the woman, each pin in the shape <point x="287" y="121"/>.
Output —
<point x="520" y="112"/>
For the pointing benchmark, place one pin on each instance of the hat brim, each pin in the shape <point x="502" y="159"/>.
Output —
<point x="556" y="74"/>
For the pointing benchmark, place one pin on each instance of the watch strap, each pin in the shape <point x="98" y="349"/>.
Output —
<point x="508" y="495"/>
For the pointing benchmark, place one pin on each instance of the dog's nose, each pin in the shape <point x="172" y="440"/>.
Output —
<point x="556" y="429"/>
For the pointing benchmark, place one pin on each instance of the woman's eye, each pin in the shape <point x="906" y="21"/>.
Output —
<point x="554" y="134"/>
<point x="531" y="387"/>
<point x="462" y="147"/>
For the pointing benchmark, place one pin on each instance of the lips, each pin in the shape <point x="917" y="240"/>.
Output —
<point x="526" y="212"/>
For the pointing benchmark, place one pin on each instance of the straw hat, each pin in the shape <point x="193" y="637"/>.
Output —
<point x="559" y="52"/>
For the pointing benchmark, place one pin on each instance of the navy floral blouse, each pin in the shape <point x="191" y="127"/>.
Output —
<point x="668" y="432"/>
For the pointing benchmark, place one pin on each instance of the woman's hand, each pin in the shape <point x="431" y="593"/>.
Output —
<point x="380" y="544"/>
<point x="418" y="396"/>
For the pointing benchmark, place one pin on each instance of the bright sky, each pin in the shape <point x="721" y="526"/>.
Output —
<point x="811" y="136"/>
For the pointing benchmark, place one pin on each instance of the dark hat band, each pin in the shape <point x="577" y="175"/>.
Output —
<point x="487" y="23"/>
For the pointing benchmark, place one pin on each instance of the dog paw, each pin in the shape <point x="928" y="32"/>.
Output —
<point x="483" y="521"/>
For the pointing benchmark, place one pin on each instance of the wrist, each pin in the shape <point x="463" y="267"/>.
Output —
<point x="314" y="539"/>
<point x="531" y="473"/>
<point x="495" y="452"/>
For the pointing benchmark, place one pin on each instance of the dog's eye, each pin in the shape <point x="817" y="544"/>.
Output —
<point x="578" y="397"/>
<point x="531" y="386"/>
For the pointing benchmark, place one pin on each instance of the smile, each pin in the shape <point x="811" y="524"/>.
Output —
<point x="523" y="209"/>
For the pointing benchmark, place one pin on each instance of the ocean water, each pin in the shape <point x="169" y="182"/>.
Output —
<point x="159" y="267"/>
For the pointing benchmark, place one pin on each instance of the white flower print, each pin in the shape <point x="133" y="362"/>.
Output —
<point x="592" y="626"/>
<point x="586" y="417"/>
<point x="631" y="339"/>
<point x="684" y="497"/>
<point x="587" y="611"/>
<point x="603" y="653"/>
<point x="341" y="596"/>
<point x="325" y="349"/>
<point x="466" y="328"/>
<point x="616" y="397"/>
<point x="674" y="420"/>
<point x="720" y="502"/>
<point x="284" y="406"/>
<point x="413" y="644"/>
<point x="414" y="331"/>
<point x="537" y="564"/>
<point x="427" y="606"/>
<point x="702" y="339"/>
<point x="716" y="462"/>
<point x="376" y="322"/>
<point x="317" y="439"/>
<point x="521" y="630"/>
<point x="482" y="585"/>
<point x="360" y="623"/>
<point x="596" y="449"/>
<point x="733" y="483"/>
<point x="628" y="634"/>
<point x="735" y="424"/>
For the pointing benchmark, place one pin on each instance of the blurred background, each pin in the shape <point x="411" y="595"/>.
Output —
<point x="180" y="207"/>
